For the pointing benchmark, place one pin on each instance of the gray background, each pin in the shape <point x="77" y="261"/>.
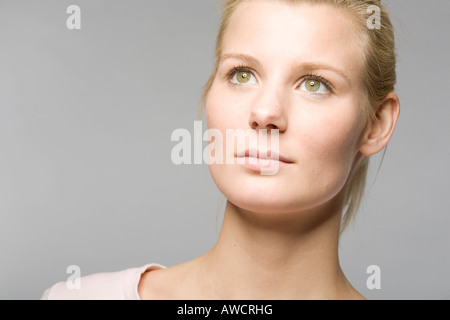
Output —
<point x="85" y="123"/>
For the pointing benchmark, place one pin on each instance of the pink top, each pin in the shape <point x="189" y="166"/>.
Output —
<point x="121" y="285"/>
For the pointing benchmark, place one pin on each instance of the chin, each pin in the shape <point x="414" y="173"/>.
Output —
<point x="276" y="194"/>
<point x="269" y="201"/>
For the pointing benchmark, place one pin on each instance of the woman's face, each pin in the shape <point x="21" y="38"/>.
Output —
<point x="296" y="69"/>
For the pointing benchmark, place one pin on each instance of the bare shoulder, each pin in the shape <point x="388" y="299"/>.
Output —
<point x="355" y="295"/>
<point x="153" y="284"/>
<point x="352" y="294"/>
<point x="170" y="283"/>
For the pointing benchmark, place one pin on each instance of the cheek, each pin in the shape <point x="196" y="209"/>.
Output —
<point x="328" y="145"/>
<point x="218" y="117"/>
<point x="224" y="110"/>
<point x="213" y="109"/>
<point x="226" y="114"/>
<point x="332" y="137"/>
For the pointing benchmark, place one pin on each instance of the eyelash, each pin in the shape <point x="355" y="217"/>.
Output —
<point x="321" y="79"/>
<point x="241" y="68"/>
<point x="230" y="74"/>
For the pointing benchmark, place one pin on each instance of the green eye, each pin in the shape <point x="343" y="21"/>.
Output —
<point x="312" y="85"/>
<point x="243" y="77"/>
<point x="316" y="86"/>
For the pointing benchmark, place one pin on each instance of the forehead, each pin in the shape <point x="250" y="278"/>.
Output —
<point x="286" y="32"/>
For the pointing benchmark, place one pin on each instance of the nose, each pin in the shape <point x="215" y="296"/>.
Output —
<point x="268" y="111"/>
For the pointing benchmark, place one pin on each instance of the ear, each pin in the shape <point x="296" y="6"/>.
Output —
<point x="379" y="131"/>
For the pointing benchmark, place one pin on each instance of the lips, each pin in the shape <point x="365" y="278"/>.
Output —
<point x="265" y="155"/>
<point x="265" y="163"/>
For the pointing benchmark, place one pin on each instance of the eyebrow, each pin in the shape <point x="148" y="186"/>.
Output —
<point x="239" y="56"/>
<point x="305" y="65"/>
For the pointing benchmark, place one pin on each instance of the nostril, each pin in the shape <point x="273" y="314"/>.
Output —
<point x="255" y="125"/>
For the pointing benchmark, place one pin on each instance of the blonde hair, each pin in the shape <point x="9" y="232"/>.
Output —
<point x="379" y="74"/>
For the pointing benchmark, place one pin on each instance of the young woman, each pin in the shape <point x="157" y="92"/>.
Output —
<point x="320" y="76"/>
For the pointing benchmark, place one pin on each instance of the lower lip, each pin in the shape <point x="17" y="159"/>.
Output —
<point x="261" y="165"/>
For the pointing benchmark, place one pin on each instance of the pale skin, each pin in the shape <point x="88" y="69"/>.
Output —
<point x="280" y="234"/>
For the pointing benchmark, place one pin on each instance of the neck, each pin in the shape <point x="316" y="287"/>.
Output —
<point x="271" y="257"/>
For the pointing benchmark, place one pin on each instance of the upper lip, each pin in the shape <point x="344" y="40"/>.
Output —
<point x="269" y="154"/>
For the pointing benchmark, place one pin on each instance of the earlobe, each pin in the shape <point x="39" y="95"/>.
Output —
<point x="380" y="130"/>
